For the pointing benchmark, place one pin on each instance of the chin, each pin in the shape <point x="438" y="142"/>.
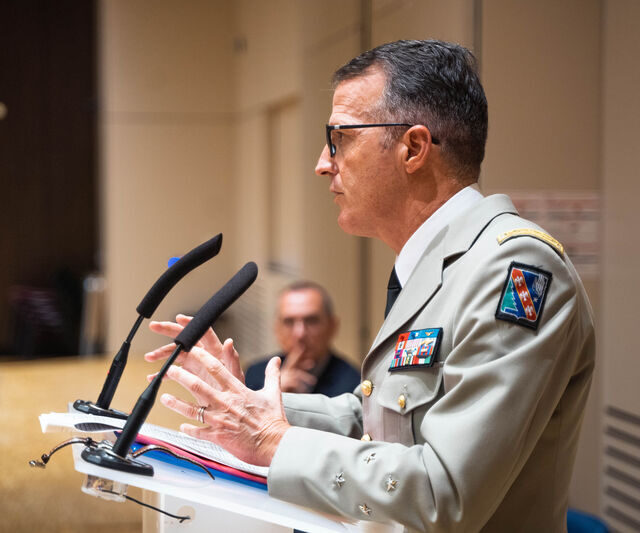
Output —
<point x="351" y="226"/>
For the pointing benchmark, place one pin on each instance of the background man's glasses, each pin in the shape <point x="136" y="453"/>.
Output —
<point x="331" y="127"/>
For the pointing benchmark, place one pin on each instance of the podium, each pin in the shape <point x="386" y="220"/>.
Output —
<point x="221" y="505"/>
<point x="230" y="506"/>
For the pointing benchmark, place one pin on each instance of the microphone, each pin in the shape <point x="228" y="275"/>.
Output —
<point x="115" y="457"/>
<point x="191" y="260"/>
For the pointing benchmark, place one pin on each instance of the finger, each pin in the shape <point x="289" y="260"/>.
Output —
<point x="211" y="371"/>
<point x="306" y="364"/>
<point x="163" y="352"/>
<point x="293" y="357"/>
<point x="186" y="409"/>
<point x="165" y="327"/>
<point x="308" y="379"/>
<point x="297" y="381"/>
<point x="168" y="328"/>
<point x="214" y="369"/>
<point x="200" y="390"/>
<point x="198" y="432"/>
<point x="151" y="376"/>
<point x="272" y="377"/>
<point x="231" y="359"/>
<point x="160" y="353"/>
<point x="209" y="340"/>
<point x="198" y="361"/>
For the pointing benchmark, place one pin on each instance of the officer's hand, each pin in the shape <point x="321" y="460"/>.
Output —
<point x="249" y="424"/>
<point x="209" y="342"/>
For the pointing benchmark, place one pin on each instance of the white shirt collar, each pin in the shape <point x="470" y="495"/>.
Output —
<point x="413" y="249"/>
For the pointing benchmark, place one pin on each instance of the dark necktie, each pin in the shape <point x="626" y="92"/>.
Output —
<point x="393" y="289"/>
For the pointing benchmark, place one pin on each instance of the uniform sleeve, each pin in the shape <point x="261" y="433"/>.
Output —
<point x="341" y="415"/>
<point x="502" y="384"/>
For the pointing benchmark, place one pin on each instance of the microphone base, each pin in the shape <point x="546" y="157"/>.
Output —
<point x="91" y="408"/>
<point x="102" y="456"/>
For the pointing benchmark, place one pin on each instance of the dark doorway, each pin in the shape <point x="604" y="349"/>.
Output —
<point x="48" y="171"/>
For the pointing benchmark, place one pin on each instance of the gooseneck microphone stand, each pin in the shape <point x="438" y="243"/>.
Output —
<point x="145" y="309"/>
<point x="117" y="457"/>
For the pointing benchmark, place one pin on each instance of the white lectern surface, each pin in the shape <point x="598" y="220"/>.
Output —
<point x="230" y="497"/>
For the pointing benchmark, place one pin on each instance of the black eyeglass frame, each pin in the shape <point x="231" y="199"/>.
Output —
<point x="333" y="127"/>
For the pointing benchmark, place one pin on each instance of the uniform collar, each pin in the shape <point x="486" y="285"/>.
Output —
<point x="453" y="239"/>
<point x="413" y="249"/>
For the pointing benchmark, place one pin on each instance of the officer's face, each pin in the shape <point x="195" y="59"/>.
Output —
<point x="302" y="324"/>
<point x="362" y="172"/>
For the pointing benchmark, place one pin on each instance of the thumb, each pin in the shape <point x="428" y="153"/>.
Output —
<point x="272" y="377"/>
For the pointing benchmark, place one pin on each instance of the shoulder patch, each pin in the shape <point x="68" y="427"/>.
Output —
<point x="536" y="234"/>
<point x="523" y="295"/>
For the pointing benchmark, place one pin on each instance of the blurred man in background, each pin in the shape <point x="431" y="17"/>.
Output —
<point x="305" y="326"/>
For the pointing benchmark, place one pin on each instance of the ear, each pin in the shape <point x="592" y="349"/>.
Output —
<point x="416" y="148"/>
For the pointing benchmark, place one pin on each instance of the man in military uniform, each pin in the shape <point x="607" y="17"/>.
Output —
<point x="473" y="392"/>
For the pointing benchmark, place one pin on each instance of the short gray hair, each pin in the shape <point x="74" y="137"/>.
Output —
<point x="301" y="285"/>
<point x="435" y="84"/>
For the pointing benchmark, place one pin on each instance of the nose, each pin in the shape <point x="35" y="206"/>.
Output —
<point x="326" y="165"/>
<point x="299" y="329"/>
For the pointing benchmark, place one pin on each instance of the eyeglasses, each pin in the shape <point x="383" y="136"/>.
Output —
<point x="332" y="127"/>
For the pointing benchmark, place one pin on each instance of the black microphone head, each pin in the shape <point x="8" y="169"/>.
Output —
<point x="176" y="272"/>
<point x="216" y="305"/>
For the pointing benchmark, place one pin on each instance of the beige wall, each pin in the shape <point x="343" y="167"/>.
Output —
<point x="167" y="184"/>
<point x="218" y="107"/>
<point x="620" y="259"/>
<point x="329" y="256"/>
<point x="541" y="68"/>
<point x="541" y="72"/>
<point x="621" y="191"/>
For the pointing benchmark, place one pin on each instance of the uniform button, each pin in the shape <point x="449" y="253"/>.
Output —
<point x="366" y="387"/>
<point x="402" y="401"/>
<point x="366" y="437"/>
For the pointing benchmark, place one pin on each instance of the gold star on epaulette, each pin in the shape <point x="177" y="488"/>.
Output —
<point x="339" y="479"/>
<point x="391" y="484"/>
<point x="370" y="457"/>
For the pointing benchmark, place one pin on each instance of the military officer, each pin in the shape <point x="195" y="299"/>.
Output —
<point x="472" y="394"/>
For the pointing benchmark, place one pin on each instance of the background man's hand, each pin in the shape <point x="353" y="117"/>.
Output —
<point x="296" y="372"/>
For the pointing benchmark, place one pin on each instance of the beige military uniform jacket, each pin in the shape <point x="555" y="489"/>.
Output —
<point x="485" y="438"/>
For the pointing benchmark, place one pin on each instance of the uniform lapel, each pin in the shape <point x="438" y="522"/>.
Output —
<point x="426" y="279"/>
<point x="414" y="295"/>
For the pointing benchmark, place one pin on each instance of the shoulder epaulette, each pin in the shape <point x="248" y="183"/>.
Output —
<point x="540" y="235"/>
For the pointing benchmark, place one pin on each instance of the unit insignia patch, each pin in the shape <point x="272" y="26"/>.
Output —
<point x="523" y="295"/>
